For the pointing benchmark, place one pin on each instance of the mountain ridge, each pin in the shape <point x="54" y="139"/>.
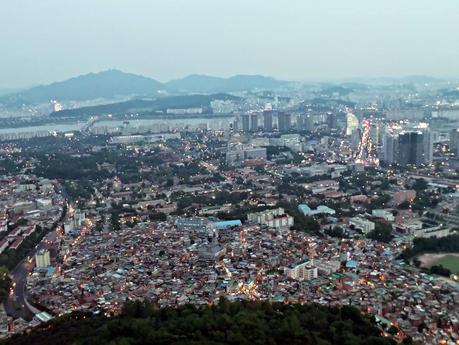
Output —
<point x="113" y="83"/>
<point x="105" y="84"/>
<point x="207" y="83"/>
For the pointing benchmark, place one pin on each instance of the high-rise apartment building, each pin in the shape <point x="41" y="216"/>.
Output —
<point x="411" y="148"/>
<point x="254" y="122"/>
<point x="284" y="122"/>
<point x="454" y="141"/>
<point x="268" y="120"/>
<point x="245" y="122"/>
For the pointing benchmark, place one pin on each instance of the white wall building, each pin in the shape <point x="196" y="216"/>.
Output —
<point x="42" y="258"/>
<point x="303" y="270"/>
<point x="276" y="218"/>
<point x="380" y="213"/>
<point x="362" y="224"/>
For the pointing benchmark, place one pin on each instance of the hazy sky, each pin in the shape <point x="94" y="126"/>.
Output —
<point x="47" y="40"/>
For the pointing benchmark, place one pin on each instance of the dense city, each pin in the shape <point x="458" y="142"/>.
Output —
<point x="344" y="199"/>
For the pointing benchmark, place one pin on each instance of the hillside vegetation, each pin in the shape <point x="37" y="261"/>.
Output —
<point x="226" y="323"/>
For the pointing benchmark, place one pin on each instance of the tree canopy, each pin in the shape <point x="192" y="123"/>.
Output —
<point x="223" y="323"/>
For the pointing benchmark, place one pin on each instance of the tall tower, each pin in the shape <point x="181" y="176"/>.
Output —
<point x="332" y="122"/>
<point x="352" y="123"/>
<point x="427" y="145"/>
<point x="245" y="119"/>
<point x="411" y="147"/>
<point x="390" y="147"/>
<point x="305" y="122"/>
<point x="284" y="122"/>
<point x="254" y="122"/>
<point x="268" y="120"/>
<point x="454" y="141"/>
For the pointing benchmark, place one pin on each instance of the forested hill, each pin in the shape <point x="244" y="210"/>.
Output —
<point x="144" y="106"/>
<point x="226" y="323"/>
<point x="107" y="84"/>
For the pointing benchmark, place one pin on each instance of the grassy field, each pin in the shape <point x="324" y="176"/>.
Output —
<point x="450" y="262"/>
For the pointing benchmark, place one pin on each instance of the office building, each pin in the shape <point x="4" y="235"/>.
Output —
<point x="236" y="154"/>
<point x="411" y="148"/>
<point x="255" y="153"/>
<point x="408" y="147"/>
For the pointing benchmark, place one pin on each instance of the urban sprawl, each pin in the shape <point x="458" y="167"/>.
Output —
<point x="276" y="199"/>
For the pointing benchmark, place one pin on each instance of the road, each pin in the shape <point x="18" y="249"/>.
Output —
<point x="16" y="304"/>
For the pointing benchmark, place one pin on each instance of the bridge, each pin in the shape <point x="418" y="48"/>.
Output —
<point x="86" y="127"/>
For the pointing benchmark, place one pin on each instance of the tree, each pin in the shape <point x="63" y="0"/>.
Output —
<point x="142" y="322"/>
<point x="5" y="282"/>
<point x="157" y="216"/>
<point x="392" y="330"/>
<point x="420" y="185"/>
<point x="115" y="221"/>
<point x="381" y="233"/>
<point x="440" y="270"/>
<point x="336" y="231"/>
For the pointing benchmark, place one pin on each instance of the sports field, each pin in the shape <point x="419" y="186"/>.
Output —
<point x="449" y="261"/>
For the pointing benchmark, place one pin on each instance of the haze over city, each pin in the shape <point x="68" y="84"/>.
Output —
<point x="50" y="40"/>
<point x="236" y="172"/>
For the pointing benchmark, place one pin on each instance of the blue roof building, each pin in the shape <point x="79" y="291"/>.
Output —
<point x="223" y="224"/>
<point x="351" y="264"/>
<point x="49" y="270"/>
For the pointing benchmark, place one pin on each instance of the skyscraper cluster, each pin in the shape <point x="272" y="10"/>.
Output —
<point x="250" y="122"/>
<point x="408" y="147"/>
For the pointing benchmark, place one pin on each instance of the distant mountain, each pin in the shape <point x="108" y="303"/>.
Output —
<point x="113" y="84"/>
<point x="414" y="79"/>
<point x="108" y="84"/>
<point x="6" y="91"/>
<point x="332" y="90"/>
<point x="209" y="84"/>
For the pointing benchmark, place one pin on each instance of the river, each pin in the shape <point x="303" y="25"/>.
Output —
<point x="139" y="125"/>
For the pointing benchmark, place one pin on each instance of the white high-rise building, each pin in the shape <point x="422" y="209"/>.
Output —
<point x="303" y="270"/>
<point x="352" y="123"/>
<point x="42" y="258"/>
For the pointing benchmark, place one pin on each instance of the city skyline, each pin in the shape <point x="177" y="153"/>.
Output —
<point x="229" y="172"/>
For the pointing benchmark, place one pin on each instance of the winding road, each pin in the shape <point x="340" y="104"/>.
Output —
<point x="16" y="304"/>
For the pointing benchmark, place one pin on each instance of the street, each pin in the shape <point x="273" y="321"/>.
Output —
<point x="15" y="304"/>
